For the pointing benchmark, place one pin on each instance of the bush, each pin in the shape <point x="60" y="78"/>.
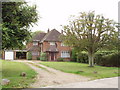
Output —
<point x="110" y="60"/>
<point x="29" y="55"/>
<point x="60" y="59"/>
<point x="74" y="56"/>
<point x="38" y="58"/>
<point x="82" y="57"/>
<point x="43" y="57"/>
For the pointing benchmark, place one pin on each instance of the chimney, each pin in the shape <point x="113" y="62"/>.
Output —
<point x="48" y="30"/>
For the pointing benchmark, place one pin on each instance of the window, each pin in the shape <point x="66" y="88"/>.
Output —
<point x="35" y="43"/>
<point x="65" y="54"/>
<point x="35" y="53"/>
<point x="52" y="43"/>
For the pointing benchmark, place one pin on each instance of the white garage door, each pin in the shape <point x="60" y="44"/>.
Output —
<point x="9" y="55"/>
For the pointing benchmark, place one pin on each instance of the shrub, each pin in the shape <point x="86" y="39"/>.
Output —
<point x="82" y="57"/>
<point x="38" y="58"/>
<point x="60" y="59"/>
<point x="29" y="55"/>
<point x="110" y="60"/>
<point x="74" y="56"/>
<point x="43" y="57"/>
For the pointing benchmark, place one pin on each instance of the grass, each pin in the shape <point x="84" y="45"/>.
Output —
<point x="96" y="72"/>
<point x="12" y="70"/>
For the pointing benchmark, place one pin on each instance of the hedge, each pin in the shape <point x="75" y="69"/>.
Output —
<point x="110" y="60"/>
<point x="103" y="58"/>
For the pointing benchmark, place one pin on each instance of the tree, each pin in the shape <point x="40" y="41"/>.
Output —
<point x="89" y="32"/>
<point x="33" y="34"/>
<point x="17" y="17"/>
<point x="36" y="32"/>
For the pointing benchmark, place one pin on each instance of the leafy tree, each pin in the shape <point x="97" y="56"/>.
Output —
<point x="17" y="17"/>
<point x="33" y="34"/>
<point x="89" y="32"/>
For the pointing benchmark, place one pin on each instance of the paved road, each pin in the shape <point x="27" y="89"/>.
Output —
<point x="100" y="83"/>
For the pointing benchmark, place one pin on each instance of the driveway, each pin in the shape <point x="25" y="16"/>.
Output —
<point x="51" y="78"/>
<point x="48" y="76"/>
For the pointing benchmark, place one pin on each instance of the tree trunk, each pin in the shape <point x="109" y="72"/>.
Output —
<point x="91" y="59"/>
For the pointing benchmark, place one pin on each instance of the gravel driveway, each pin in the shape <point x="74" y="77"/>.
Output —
<point x="48" y="76"/>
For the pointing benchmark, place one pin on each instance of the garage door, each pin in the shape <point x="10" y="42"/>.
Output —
<point x="9" y="55"/>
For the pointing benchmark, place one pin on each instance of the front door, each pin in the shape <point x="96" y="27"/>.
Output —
<point x="52" y="56"/>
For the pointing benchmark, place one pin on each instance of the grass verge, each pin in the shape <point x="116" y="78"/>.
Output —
<point x="12" y="70"/>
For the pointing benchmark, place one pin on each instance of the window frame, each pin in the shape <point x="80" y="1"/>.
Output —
<point x="65" y="54"/>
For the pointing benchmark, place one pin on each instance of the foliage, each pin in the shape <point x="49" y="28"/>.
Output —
<point x="103" y="58"/>
<point x="43" y="57"/>
<point x="38" y="58"/>
<point x="60" y="59"/>
<point x="82" y="57"/>
<point x="12" y="70"/>
<point x="17" y="17"/>
<point x="90" y="32"/>
<point x="29" y="55"/>
<point x="33" y="34"/>
<point x="76" y="68"/>
<point x="110" y="59"/>
<point x="74" y="56"/>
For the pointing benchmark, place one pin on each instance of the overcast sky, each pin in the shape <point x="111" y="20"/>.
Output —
<point x="54" y="13"/>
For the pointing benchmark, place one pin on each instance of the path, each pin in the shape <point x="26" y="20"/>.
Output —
<point x="48" y="76"/>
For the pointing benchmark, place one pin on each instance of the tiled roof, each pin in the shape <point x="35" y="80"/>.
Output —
<point x="39" y="37"/>
<point x="52" y="48"/>
<point x="34" y="48"/>
<point x="52" y="36"/>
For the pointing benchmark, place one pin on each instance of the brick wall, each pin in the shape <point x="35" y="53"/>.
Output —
<point x="30" y="44"/>
<point x="62" y="48"/>
<point x="46" y="45"/>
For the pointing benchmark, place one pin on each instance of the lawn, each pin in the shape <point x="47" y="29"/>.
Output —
<point x="96" y="72"/>
<point x="12" y="70"/>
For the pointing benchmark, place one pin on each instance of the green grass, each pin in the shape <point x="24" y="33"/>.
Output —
<point x="12" y="70"/>
<point x="76" y="68"/>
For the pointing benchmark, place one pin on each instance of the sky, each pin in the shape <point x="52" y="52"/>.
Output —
<point x="54" y="13"/>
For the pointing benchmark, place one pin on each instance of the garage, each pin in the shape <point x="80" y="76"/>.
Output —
<point x="9" y="55"/>
<point x="20" y="55"/>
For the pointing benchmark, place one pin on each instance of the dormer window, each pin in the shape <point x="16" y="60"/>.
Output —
<point x="52" y="43"/>
<point x="35" y="43"/>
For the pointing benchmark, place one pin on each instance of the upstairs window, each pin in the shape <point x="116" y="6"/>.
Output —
<point x="65" y="54"/>
<point x="52" y="43"/>
<point x="35" y="43"/>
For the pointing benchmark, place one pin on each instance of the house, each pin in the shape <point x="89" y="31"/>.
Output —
<point x="50" y="44"/>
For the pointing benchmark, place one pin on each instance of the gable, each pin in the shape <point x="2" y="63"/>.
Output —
<point x="52" y="36"/>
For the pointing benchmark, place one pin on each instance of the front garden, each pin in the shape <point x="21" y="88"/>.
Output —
<point x="12" y="70"/>
<point x="96" y="72"/>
